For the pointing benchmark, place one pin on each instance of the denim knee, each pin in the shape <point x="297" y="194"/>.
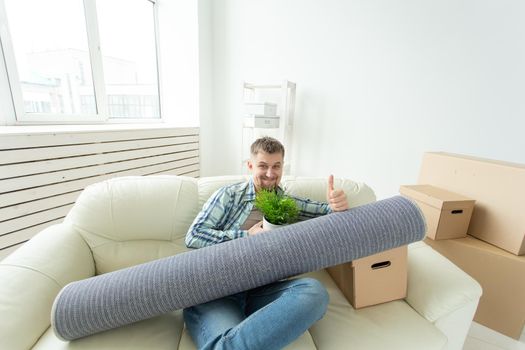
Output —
<point x="314" y="295"/>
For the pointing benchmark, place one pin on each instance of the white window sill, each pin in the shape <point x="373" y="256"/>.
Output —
<point x="80" y="128"/>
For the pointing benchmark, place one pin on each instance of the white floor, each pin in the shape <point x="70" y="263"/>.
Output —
<point x="483" y="338"/>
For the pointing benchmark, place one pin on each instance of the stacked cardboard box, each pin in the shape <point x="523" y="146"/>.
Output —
<point x="447" y="213"/>
<point x="496" y="234"/>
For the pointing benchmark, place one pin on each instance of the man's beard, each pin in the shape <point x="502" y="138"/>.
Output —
<point x="270" y="187"/>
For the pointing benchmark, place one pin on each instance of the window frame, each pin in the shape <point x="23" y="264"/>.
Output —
<point x="102" y="116"/>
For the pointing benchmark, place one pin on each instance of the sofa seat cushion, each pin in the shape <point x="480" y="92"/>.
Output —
<point x="342" y="327"/>
<point x="159" y="333"/>
<point x="392" y="325"/>
<point x="304" y="342"/>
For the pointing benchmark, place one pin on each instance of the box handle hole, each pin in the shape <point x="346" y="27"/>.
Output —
<point x="381" y="265"/>
<point x="457" y="211"/>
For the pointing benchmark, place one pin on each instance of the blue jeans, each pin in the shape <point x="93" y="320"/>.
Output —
<point x="268" y="317"/>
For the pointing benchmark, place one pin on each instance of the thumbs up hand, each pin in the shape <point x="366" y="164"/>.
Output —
<point x="336" y="198"/>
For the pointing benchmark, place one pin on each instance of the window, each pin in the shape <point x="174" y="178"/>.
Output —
<point x="81" y="60"/>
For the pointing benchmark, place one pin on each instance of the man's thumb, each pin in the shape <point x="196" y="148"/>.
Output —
<point x="330" y="183"/>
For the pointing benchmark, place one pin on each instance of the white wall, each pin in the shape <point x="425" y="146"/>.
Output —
<point x="379" y="81"/>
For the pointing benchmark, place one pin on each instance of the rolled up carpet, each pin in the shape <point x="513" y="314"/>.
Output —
<point x="136" y="293"/>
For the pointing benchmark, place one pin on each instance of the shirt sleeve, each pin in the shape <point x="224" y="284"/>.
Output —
<point x="207" y="228"/>
<point x="310" y="209"/>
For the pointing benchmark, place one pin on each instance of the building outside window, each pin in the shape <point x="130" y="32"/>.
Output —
<point x="81" y="60"/>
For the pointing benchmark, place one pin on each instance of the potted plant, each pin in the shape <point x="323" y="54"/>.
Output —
<point x="277" y="208"/>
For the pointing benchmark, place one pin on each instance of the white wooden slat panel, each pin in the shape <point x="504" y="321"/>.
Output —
<point x="177" y="172"/>
<point x="24" y="169"/>
<point x="20" y="183"/>
<point x="52" y="152"/>
<point x="42" y="174"/>
<point x="33" y="219"/>
<point x="27" y="208"/>
<point x="5" y="252"/>
<point x="12" y="198"/>
<point x="22" y="209"/>
<point x="32" y="140"/>
<point x="11" y="238"/>
<point x="25" y="234"/>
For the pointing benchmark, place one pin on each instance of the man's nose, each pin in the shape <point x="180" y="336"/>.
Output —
<point x="269" y="172"/>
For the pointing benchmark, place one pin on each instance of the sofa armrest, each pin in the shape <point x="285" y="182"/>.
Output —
<point x="32" y="276"/>
<point x="441" y="292"/>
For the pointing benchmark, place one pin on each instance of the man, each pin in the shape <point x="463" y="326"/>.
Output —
<point x="268" y="317"/>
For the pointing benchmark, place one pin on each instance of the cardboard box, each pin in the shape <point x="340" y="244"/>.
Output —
<point x="501" y="275"/>
<point x="447" y="213"/>
<point x="374" y="279"/>
<point x="499" y="190"/>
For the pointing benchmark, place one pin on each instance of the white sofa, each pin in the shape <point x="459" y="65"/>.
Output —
<point x="126" y="221"/>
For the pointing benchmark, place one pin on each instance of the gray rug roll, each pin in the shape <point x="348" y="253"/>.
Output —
<point x="125" y="296"/>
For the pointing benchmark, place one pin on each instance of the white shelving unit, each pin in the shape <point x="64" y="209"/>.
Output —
<point x="280" y="126"/>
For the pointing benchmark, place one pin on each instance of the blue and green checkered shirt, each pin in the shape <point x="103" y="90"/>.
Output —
<point x="223" y="215"/>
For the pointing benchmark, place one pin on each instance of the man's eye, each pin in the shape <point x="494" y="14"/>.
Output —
<point x="277" y="167"/>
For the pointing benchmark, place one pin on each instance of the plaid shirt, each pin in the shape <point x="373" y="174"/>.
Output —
<point x="228" y="208"/>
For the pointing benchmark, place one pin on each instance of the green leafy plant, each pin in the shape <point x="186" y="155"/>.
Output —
<point x="278" y="209"/>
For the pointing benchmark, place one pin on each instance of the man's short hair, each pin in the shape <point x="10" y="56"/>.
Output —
<point x="268" y="145"/>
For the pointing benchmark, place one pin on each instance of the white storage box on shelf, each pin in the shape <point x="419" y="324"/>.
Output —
<point x="260" y="108"/>
<point x="261" y="121"/>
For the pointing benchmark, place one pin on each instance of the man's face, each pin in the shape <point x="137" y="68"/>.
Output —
<point x="266" y="169"/>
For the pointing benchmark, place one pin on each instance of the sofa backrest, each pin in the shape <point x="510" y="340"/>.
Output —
<point x="131" y="220"/>
<point x="313" y="188"/>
